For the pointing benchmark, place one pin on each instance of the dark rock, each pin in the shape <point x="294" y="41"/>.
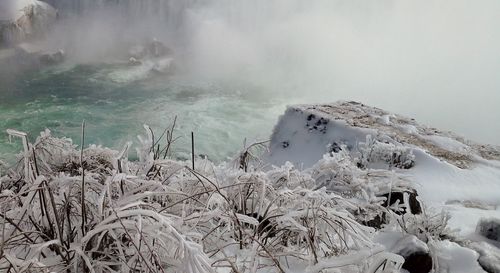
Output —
<point x="315" y="124"/>
<point x="371" y="216"/>
<point x="52" y="58"/>
<point x="413" y="204"/>
<point x="418" y="262"/>
<point x="334" y="148"/>
<point x="158" y="49"/>
<point x="376" y="222"/>
<point x="285" y="144"/>
<point x="321" y="121"/>
<point x="402" y="162"/>
<point x="489" y="228"/>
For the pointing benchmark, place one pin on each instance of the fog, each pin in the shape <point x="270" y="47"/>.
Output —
<point x="437" y="61"/>
<point x="9" y="8"/>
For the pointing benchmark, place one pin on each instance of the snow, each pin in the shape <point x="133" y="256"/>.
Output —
<point x="403" y="244"/>
<point x="466" y="219"/>
<point x="443" y="170"/>
<point x="454" y="258"/>
<point x="307" y="138"/>
<point x="489" y="255"/>
<point x="439" y="181"/>
<point x="450" y="174"/>
<point x="447" y="143"/>
<point x="345" y="157"/>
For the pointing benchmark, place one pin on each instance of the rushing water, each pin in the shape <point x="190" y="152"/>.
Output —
<point x="221" y="115"/>
<point x="242" y="61"/>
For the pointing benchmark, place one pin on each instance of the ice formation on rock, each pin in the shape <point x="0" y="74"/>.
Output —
<point x="24" y="19"/>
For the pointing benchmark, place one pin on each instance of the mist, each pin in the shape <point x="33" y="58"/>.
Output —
<point x="437" y="61"/>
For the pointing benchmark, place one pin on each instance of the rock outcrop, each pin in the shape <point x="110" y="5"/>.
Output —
<point x="489" y="228"/>
<point x="349" y="123"/>
<point x="450" y="174"/>
<point x="441" y="166"/>
<point x="21" y="20"/>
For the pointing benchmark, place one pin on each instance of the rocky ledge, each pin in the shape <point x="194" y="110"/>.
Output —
<point x="350" y="123"/>
<point x="24" y="19"/>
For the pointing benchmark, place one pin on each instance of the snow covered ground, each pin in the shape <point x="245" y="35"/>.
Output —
<point x="449" y="171"/>
<point x="340" y="198"/>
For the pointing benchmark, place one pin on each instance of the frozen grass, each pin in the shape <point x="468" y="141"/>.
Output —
<point x="65" y="209"/>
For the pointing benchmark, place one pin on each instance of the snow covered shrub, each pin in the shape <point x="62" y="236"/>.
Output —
<point x="376" y="154"/>
<point x="92" y="210"/>
<point x="62" y="218"/>
<point x="370" y="189"/>
<point x="274" y="217"/>
<point x="426" y="227"/>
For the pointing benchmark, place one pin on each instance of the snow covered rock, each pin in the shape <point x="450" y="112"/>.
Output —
<point x="306" y="132"/>
<point x="452" y="257"/>
<point x="416" y="253"/>
<point x="407" y="198"/>
<point x="24" y="19"/>
<point x="145" y="60"/>
<point x="445" y="169"/>
<point x="489" y="228"/>
<point x="52" y="58"/>
<point x="489" y="256"/>
<point x="33" y="55"/>
<point x="153" y="49"/>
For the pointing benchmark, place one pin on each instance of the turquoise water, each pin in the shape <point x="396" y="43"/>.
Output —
<point x="115" y="101"/>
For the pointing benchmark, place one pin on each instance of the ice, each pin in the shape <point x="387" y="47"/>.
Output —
<point x="456" y="259"/>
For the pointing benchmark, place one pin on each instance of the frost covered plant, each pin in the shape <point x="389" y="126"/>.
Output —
<point x="426" y="227"/>
<point x="92" y="210"/>
<point x="50" y="223"/>
<point x="373" y="152"/>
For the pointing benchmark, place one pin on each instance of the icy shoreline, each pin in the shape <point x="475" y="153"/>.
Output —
<point x="330" y="213"/>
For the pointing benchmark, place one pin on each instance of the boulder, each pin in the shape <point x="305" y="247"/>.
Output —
<point x="154" y="49"/>
<point x="489" y="256"/>
<point x="406" y="199"/>
<point x="158" y="49"/>
<point x="24" y="19"/>
<point x="351" y="139"/>
<point x="382" y="140"/>
<point x="416" y="253"/>
<point x="52" y="58"/>
<point x="418" y="262"/>
<point x="134" y="62"/>
<point x="489" y="228"/>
